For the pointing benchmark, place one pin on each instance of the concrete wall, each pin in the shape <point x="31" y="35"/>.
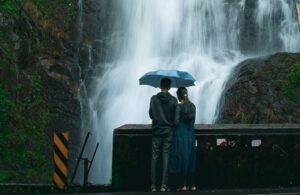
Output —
<point x="226" y="156"/>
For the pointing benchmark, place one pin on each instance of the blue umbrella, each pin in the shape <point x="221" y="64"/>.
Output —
<point x="178" y="78"/>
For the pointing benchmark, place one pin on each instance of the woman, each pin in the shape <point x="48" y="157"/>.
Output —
<point x="183" y="154"/>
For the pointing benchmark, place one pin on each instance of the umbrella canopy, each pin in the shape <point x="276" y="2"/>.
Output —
<point x="178" y="78"/>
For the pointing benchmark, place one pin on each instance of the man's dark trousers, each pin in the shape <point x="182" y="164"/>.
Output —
<point x="162" y="144"/>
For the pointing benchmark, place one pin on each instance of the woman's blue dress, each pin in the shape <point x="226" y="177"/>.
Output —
<point x="183" y="152"/>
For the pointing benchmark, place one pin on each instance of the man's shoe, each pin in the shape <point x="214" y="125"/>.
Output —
<point x="184" y="188"/>
<point x="164" y="188"/>
<point x="153" y="189"/>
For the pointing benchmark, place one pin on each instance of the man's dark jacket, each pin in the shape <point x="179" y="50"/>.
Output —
<point x="162" y="112"/>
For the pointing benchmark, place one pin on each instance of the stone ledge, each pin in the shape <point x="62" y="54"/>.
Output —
<point x="219" y="129"/>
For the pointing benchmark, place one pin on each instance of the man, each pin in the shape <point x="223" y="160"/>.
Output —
<point x="162" y="112"/>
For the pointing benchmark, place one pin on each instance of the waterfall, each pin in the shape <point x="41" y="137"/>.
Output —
<point x="204" y="37"/>
<point x="277" y="26"/>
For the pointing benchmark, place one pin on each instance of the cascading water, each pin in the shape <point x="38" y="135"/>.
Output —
<point x="204" y="37"/>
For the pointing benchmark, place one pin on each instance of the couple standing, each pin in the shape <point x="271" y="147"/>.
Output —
<point x="173" y="137"/>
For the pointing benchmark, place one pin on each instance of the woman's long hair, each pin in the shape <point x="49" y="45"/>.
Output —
<point x="182" y="95"/>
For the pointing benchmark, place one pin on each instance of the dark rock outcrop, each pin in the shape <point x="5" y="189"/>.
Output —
<point x="61" y="90"/>
<point x="256" y="92"/>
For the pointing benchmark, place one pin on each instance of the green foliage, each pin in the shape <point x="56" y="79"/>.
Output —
<point x="24" y="143"/>
<point x="25" y="147"/>
<point x="37" y="88"/>
<point x="293" y="82"/>
<point x="19" y="190"/>
<point x="8" y="8"/>
<point x="8" y="58"/>
<point x="50" y="9"/>
<point x="5" y="106"/>
<point x="42" y="190"/>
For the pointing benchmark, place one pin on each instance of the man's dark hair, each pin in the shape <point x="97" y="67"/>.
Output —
<point x="165" y="83"/>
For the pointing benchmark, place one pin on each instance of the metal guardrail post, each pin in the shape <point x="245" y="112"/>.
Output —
<point x="93" y="158"/>
<point x="86" y="163"/>
<point x="80" y="155"/>
<point x="85" y="171"/>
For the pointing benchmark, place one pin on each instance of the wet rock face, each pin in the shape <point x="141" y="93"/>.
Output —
<point x="60" y="90"/>
<point x="94" y="46"/>
<point x="36" y="51"/>
<point x="256" y="92"/>
<point x="37" y="69"/>
<point x="96" y="18"/>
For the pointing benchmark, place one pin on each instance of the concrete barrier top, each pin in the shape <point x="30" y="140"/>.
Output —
<point x="218" y="129"/>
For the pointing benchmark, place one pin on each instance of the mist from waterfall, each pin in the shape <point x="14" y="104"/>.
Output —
<point x="203" y="37"/>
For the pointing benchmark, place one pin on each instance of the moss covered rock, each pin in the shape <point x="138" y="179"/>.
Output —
<point x="263" y="90"/>
<point x="38" y="86"/>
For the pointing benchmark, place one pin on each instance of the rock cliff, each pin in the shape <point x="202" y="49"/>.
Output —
<point x="39" y="82"/>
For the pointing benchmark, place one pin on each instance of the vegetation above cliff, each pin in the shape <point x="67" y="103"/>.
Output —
<point x="57" y="15"/>
<point x="8" y="8"/>
<point x="56" y="9"/>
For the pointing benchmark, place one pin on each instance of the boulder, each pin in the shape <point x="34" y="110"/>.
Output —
<point x="256" y="91"/>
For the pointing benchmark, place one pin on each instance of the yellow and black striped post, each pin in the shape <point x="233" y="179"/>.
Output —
<point x="61" y="152"/>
